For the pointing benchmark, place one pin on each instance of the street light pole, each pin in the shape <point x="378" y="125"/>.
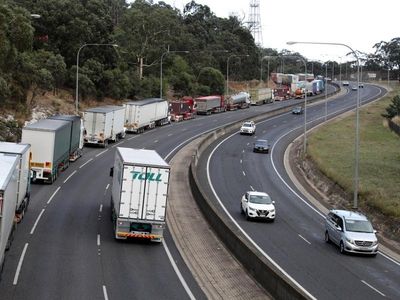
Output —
<point x="227" y="69"/>
<point x="357" y="137"/>
<point x="326" y="90"/>
<point x="161" y="69"/>
<point x="267" y="57"/>
<point x="77" y="71"/>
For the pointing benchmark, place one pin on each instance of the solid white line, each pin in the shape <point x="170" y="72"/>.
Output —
<point x="171" y="259"/>
<point x="116" y="145"/>
<point x="69" y="176"/>
<point x="86" y="163"/>
<point x="367" y="284"/>
<point x="98" y="240"/>
<point x="101" y="153"/>
<point x="105" y="292"/>
<point x="134" y="137"/>
<point x="21" y="259"/>
<point x="52" y="196"/>
<point x="101" y="208"/>
<point x="37" y="221"/>
<point x="304" y="239"/>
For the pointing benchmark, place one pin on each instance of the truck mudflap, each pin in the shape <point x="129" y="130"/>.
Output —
<point x="140" y="235"/>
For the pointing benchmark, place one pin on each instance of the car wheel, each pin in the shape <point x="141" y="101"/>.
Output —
<point x="247" y="216"/>
<point x="267" y="151"/>
<point x="342" y="250"/>
<point x="241" y="209"/>
<point x="327" y="239"/>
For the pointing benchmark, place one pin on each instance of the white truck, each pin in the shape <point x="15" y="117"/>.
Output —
<point x="76" y="136"/>
<point x="8" y="201"/>
<point x="146" y="113"/>
<point x="50" y="145"/>
<point x="103" y="124"/>
<point x="139" y="194"/>
<point x="22" y="151"/>
<point x="259" y="96"/>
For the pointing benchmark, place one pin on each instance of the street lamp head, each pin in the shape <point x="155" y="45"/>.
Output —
<point x="291" y="43"/>
<point x="36" y="16"/>
<point x="115" y="45"/>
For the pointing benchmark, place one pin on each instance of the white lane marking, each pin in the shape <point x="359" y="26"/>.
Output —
<point x="241" y="161"/>
<point x="105" y="292"/>
<point x="52" y="196"/>
<point x="244" y="174"/>
<point x="247" y="144"/>
<point x="108" y="185"/>
<point x="243" y="151"/>
<point x="37" y="221"/>
<point x="72" y="174"/>
<point x="85" y="163"/>
<point x="101" y="208"/>
<point x="134" y="137"/>
<point x="171" y="259"/>
<point x="155" y="141"/>
<point x="97" y="155"/>
<point x="21" y="259"/>
<point x="98" y="240"/>
<point x="376" y="290"/>
<point x="304" y="239"/>
<point x="252" y="188"/>
<point x="116" y="145"/>
<point x="242" y="230"/>
<point x="170" y="134"/>
<point x="389" y="258"/>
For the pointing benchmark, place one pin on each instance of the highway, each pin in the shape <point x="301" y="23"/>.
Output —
<point x="295" y="241"/>
<point x="64" y="247"/>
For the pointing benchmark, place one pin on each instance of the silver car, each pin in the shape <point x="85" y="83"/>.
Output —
<point x="351" y="231"/>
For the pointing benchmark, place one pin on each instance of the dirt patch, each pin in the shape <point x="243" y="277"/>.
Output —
<point x="331" y="195"/>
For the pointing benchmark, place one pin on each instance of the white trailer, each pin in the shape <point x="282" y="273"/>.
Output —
<point x="139" y="194"/>
<point x="8" y="201"/>
<point x="22" y="151"/>
<point x="50" y="145"/>
<point x="146" y="113"/>
<point x="261" y="96"/>
<point x="103" y="124"/>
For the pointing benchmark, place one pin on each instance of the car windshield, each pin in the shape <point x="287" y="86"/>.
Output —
<point x="262" y="143"/>
<point x="260" y="199"/>
<point x="247" y="125"/>
<point x="359" y="226"/>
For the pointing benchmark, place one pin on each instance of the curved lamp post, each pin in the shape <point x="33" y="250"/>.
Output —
<point x="357" y="137"/>
<point x="161" y="70"/>
<point x="227" y="68"/>
<point x="263" y="58"/>
<point x="77" y="71"/>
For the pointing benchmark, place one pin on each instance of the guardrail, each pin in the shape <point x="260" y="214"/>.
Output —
<point x="264" y="270"/>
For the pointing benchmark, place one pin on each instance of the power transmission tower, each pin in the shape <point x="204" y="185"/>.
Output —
<point x="255" y="22"/>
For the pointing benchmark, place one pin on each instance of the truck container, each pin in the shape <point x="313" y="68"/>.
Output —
<point x="239" y="100"/>
<point x="76" y="136"/>
<point x="210" y="104"/>
<point x="145" y="114"/>
<point x="139" y="194"/>
<point x="182" y="109"/>
<point x="103" y="124"/>
<point x="23" y="152"/>
<point x="8" y="201"/>
<point x="50" y="144"/>
<point x="261" y="96"/>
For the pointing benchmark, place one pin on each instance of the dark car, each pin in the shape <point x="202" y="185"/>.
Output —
<point x="261" y="146"/>
<point x="298" y="110"/>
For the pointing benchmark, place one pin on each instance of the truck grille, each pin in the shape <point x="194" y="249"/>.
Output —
<point x="363" y="243"/>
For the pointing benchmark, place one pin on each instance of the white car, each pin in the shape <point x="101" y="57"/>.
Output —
<point x="257" y="205"/>
<point x="248" y="128"/>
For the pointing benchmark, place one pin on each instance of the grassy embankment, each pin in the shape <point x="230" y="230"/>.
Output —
<point x="332" y="147"/>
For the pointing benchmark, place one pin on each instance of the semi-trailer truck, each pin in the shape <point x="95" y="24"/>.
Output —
<point x="139" y="194"/>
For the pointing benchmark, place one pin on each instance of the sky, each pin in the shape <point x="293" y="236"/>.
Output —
<point x="356" y="23"/>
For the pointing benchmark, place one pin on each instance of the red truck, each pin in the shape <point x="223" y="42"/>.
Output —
<point x="183" y="109"/>
<point x="210" y="104"/>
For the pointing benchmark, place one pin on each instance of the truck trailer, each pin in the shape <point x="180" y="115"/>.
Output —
<point x="239" y="100"/>
<point x="76" y="136"/>
<point x="103" y="124"/>
<point x="210" y="104"/>
<point x="145" y="114"/>
<point x="50" y="146"/>
<point x="8" y="201"/>
<point x="23" y="152"/>
<point x="261" y="96"/>
<point x="139" y="194"/>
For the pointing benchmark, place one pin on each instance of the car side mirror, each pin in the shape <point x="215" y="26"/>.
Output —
<point x="112" y="171"/>
<point x="375" y="231"/>
<point x="273" y="202"/>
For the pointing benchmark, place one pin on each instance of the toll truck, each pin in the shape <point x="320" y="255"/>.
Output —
<point x="103" y="124"/>
<point x="22" y="151"/>
<point x="50" y="148"/>
<point x="139" y="194"/>
<point x="8" y="201"/>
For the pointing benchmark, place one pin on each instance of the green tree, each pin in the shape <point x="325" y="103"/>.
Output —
<point x="393" y="109"/>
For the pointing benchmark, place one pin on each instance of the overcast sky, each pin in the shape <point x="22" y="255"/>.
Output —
<point x="356" y="23"/>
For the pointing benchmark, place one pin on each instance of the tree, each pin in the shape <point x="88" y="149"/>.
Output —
<point x="393" y="109"/>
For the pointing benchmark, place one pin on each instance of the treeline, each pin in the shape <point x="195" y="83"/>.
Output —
<point x="41" y="40"/>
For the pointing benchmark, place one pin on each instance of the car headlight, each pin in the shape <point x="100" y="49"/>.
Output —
<point x="251" y="208"/>
<point x="374" y="243"/>
<point x="349" y="240"/>
<point x="272" y="210"/>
